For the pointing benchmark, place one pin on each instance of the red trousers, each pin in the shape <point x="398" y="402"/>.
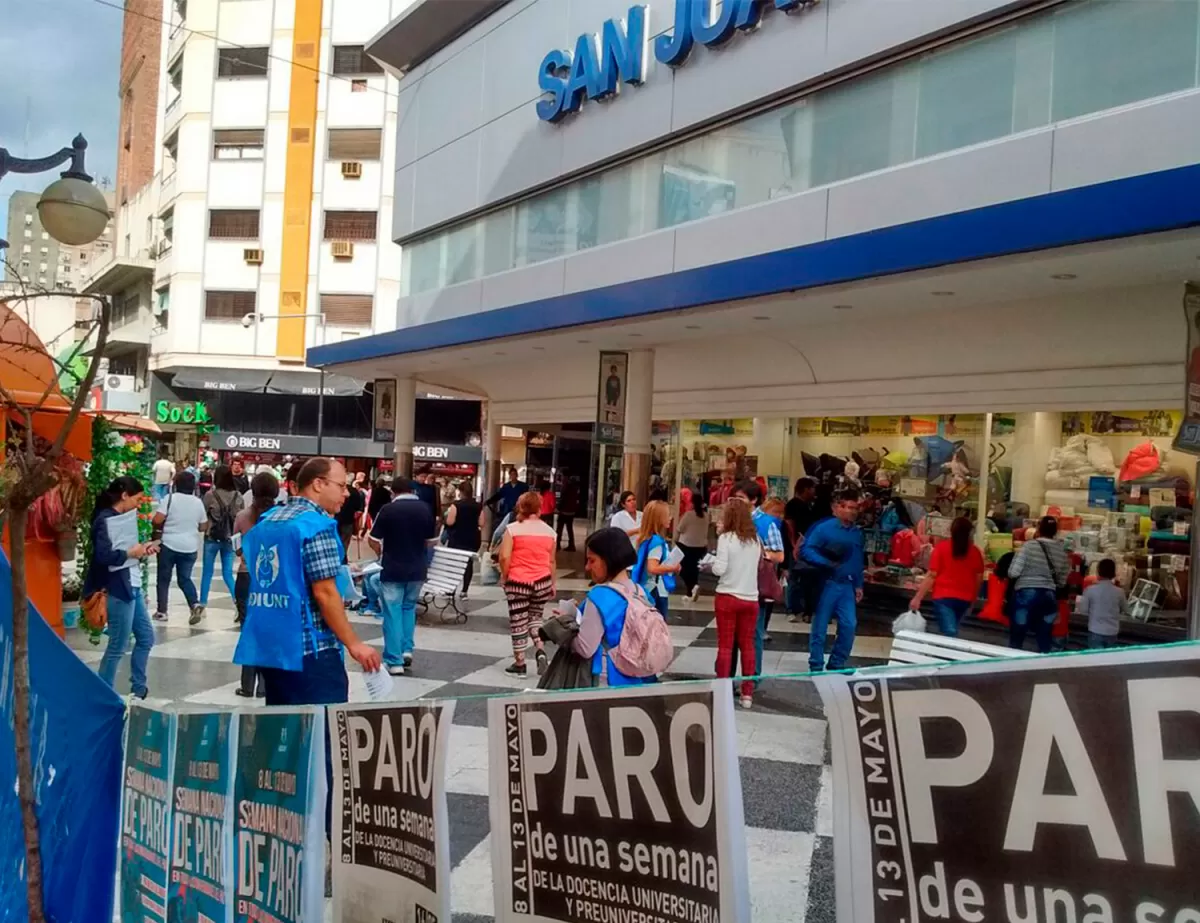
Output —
<point x="736" y="618"/>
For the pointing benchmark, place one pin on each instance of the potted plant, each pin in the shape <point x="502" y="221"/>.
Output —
<point x="72" y="591"/>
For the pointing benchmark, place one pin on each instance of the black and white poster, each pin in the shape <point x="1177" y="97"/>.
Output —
<point x="611" y="805"/>
<point x="385" y="410"/>
<point x="610" y="412"/>
<point x="391" y="854"/>
<point x="1048" y="790"/>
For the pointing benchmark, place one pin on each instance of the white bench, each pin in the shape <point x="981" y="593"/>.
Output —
<point x="919" y="647"/>
<point x="444" y="582"/>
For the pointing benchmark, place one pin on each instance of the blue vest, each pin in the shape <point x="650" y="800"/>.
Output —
<point x="641" y="574"/>
<point x="611" y="605"/>
<point x="277" y="608"/>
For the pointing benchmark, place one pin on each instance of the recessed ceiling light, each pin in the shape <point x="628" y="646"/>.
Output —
<point x="1064" y="276"/>
<point x="843" y="307"/>
<point x="499" y="352"/>
<point x="941" y="294"/>
<point x="697" y="326"/>
<point x="540" y="349"/>
<point x="583" y="341"/>
<point x="761" y="317"/>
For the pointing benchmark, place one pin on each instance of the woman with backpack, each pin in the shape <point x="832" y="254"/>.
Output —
<point x="617" y="610"/>
<point x="222" y="504"/>
<point x="955" y="574"/>
<point x="736" y="604"/>
<point x="527" y="558"/>
<point x="109" y="581"/>
<point x="652" y="572"/>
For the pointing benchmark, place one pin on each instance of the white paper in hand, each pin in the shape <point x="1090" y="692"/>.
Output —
<point x="675" y="557"/>
<point x="379" y="685"/>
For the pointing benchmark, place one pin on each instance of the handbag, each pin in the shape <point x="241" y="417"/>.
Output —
<point x="94" y="610"/>
<point x="769" y="588"/>
<point x="156" y="532"/>
<point x="1060" y="592"/>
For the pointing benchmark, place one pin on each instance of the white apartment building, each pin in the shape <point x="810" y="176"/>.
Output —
<point x="265" y="230"/>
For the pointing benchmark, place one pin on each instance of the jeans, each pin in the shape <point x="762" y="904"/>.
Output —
<point x="662" y="602"/>
<point x="126" y="617"/>
<point x="321" y="681"/>
<point x="760" y="633"/>
<point x="1036" y="606"/>
<point x="1098" y="642"/>
<point x="211" y="550"/>
<point x="160" y="491"/>
<point x="399" y="619"/>
<point x="837" y="598"/>
<point x="372" y="593"/>
<point x="803" y="590"/>
<point x="949" y="612"/>
<point x="182" y="563"/>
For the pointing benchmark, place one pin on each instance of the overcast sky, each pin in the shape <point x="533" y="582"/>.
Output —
<point x="59" y="64"/>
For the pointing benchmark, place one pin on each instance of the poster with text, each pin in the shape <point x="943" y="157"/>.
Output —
<point x="146" y="814"/>
<point x="201" y="819"/>
<point x="279" y="816"/>
<point x="391" y="858"/>
<point x="611" y="805"/>
<point x="1028" y="791"/>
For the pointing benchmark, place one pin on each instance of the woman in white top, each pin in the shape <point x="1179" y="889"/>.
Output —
<point x="183" y="521"/>
<point x="627" y="518"/>
<point x="736" y="604"/>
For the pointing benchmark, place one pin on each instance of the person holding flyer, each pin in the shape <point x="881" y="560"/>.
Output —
<point x="657" y="564"/>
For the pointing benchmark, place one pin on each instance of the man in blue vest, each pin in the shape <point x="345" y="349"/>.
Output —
<point x="296" y="623"/>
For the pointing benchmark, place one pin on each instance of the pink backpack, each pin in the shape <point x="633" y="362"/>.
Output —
<point x="645" y="647"/>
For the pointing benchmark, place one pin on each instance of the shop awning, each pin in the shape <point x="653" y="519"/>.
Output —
<point x="288" y="382"/>
<point x="202" y="379"/>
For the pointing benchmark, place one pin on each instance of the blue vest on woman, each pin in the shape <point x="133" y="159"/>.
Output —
<point x="278" y="608"/>
<point x="641" y="573"/>
<point x="611" y="605"/>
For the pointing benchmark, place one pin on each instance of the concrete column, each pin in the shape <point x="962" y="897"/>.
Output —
<point x="491" y="466"/>
<point x="639" y="403"/>
<point x="406" y="419"/>
<point x="1035" y="436"/>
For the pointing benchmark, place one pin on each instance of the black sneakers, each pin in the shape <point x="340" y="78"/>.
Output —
<point x="517" y="669"/>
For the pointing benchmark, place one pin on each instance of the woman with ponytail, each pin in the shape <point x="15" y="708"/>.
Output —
<point x="115" y="554"/>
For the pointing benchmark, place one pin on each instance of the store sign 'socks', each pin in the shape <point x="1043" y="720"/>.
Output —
<point x="602" y="61"/>
<point x="1080" y="777"/>
<point x="616" y="807"/>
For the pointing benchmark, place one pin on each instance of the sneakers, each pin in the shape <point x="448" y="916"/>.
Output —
<point x="408" y="659"/>
<point x="395" y="669"/>
<point x="239" y="691"/>
<point x="695" y="594"/>
<point x="746" y="701"/>
<point x="197" y="614"/>
<point x="517" y="669"/>
<point x="542" y="662"/>
<point x="160" y="616"/>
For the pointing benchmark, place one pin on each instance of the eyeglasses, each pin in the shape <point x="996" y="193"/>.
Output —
<point x="341" y="485"/>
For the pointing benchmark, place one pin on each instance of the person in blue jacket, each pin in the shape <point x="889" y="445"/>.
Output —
<point x="835" y="546"/>
<point x="609" y="559"/>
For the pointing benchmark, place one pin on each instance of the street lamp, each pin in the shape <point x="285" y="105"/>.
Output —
<point x="73" y="211"/>
<point x="249" y="320"/>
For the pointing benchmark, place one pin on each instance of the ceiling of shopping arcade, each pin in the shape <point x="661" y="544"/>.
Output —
<point x="1017" y="332"/>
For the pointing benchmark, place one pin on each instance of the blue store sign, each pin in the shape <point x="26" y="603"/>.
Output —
<point x="617" y="54"/>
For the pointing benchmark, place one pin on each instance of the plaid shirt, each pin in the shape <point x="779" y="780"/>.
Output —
<point x="322" y="557"/>
<point x="768" y="530"/>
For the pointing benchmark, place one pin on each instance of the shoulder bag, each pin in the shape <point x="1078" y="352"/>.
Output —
<point x="1060" y="592"/>
<point x="769" y="588"/>
<point x="156" y="532"/>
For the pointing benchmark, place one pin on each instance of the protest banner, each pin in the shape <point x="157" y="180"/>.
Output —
<point x="202" y="818"/>
<point x="279" y="820"/>
<point x="146" y="814"/>
<point x="1047" y="790"/>
<point x="611" y="805"/>
<point x="391" y="857"/>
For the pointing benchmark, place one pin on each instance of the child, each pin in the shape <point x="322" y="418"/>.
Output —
<point x="1104" y="604"/>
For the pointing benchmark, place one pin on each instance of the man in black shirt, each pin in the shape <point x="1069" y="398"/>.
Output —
<point x="241" y="481"/>
<point x="803" y="512"/>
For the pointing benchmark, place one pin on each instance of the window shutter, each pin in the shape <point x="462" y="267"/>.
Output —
<point x="355" y="143"/>
<point x="348" y="310"/>
<point x="348" y="225"/>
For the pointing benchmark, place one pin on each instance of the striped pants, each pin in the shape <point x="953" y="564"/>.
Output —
<point x="525" y="604"/>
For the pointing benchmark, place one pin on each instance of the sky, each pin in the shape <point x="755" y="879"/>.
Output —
<point x="59" y="64"/>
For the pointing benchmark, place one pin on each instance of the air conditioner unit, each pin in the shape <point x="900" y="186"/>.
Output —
<point x="253" y="257"/>
<point x="352" y="169"/>
<point x="120" y="383"/>
<point x="343" y="250"/>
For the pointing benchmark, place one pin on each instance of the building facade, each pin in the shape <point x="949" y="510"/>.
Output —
<point x="41" y="262"/>
<point x="811" y="230"/>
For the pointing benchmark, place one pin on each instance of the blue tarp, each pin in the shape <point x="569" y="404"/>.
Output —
<point x="76" y="724"/>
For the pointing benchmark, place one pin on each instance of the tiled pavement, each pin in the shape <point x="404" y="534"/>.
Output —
<point x="781" y="743"/>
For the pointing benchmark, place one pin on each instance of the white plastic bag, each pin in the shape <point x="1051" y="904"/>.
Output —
<point x="908" y="621"/>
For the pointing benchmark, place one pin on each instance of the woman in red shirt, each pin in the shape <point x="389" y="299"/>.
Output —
<point x="955" y="573"/>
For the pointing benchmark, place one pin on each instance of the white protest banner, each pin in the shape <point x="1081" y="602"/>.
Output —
<point x="391" y="853"/>
<point x="610" y="805"/>
<point x="279" y="821"/>
<point x="1039" y="790"/>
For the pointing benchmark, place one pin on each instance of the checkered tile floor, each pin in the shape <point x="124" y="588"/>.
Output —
<point x="782" y="742"/>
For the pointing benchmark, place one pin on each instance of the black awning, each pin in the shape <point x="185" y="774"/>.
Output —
<point x="296" y="382"/>
<point x="201" y="379"/>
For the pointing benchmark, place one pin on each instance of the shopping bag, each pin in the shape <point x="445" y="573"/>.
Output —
<point x="908" y="621"/>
